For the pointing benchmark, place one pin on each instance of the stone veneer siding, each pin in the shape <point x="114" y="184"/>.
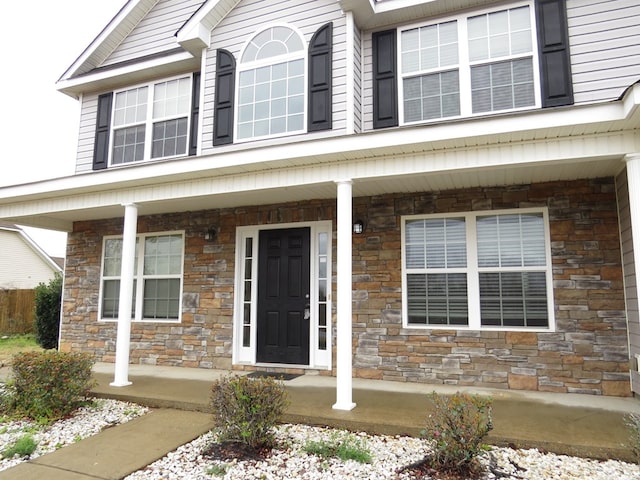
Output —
<point x="587" y="353"/>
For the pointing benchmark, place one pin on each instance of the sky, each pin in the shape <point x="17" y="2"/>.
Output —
<point x="39" y="40"/>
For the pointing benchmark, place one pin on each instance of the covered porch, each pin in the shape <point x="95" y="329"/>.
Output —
<point x="331" y="176"/>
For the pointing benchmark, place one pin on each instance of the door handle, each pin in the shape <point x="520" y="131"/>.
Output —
<point x="307" y="312"/>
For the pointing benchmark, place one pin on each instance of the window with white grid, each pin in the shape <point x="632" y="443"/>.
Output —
<point x="478" y="270"/>
<point x="271" y="85"/>
<point x="158" y="277"/>
<point x="471" y="64"/>
<point x="151" y="121"/>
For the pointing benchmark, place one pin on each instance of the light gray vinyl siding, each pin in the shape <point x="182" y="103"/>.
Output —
<point x="630" y="281"/>
<point x="367" y="81"/>
<point x="605" y="47"/>
<point x="156" y="31"/>
<point x="87" y="133"/>
<point x="251" y="16"/>
<point x="357" y="80"/>
<point x="604" y="38"/>
<point x="17" y="251"/>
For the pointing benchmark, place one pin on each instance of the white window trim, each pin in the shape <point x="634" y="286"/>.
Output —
<point x="472" y="270"/>
<point x="241" y="67"/>
<point x="318" y="359"/>
<point x="464" y="64"/>
<point x="149" y="121"/>
<point x="139" y="285"/>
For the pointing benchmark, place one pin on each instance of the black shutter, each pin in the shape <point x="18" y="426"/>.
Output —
<point x="223" y="107"/>
<point x="195" y="114"/>
<point x="103" y="127"/>
<point x="320" y="79"/>
<point x="385" y="87"/>
<point x="553" y="45"/>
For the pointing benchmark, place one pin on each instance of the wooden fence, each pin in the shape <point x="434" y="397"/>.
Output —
<point x="17" y="311"/>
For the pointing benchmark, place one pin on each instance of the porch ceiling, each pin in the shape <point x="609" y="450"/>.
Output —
<point x="61" y="216"/>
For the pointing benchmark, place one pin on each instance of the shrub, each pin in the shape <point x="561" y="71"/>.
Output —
<point x="246" y="410"/>
<point x="49" y="385"/>
<point x="632" y="420"/>
<point x="48" y="303"/>
<point x="457" y="428"/>
<point x="342" y="446"/>
<point x="24" y="447"/>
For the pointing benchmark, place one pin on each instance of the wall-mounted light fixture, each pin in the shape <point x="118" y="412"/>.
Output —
<point x="210" y="234"/>
<point x="358" y="227"/>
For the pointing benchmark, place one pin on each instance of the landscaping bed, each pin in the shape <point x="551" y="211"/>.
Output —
<point x="392" y="457"/>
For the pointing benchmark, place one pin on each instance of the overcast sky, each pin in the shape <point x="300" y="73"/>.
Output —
<point x="39" y="39"/>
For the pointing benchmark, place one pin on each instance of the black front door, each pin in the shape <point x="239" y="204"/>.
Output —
<point x="283" y="296"/>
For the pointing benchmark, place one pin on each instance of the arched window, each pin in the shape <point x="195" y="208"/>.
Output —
<point x="271" y="85"/>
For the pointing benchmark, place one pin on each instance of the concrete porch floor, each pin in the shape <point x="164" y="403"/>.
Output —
<point x="573" y="424"/>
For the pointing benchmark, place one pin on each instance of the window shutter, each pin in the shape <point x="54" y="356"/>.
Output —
<point x="223" y="107"/>
<point x="553" y="44"/>
<point x="385" y="88"/>
<point x="320" y="79"/>
<point x="195" y="114"/>
<point x="103" y="126"/>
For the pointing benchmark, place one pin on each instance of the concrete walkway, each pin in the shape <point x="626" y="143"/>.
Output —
<point x="582" y="425"/>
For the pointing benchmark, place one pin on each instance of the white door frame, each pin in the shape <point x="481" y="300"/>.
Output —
<point x="246" y="294"/>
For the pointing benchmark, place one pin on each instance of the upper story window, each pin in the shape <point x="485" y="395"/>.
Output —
<point x="150" y="121"/>
<point x="469" y="65"/>
<point x="495" y="60"/>
<point x="271" y="85"/>
<point x="478" y="270"/>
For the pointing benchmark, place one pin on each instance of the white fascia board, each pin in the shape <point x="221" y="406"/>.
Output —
<point x="195" y="34"/>
<point x="102" y="39"/>
<point x="390" y="6"/>
<point x="241" y="159"/>
<point x="195" y="39"/>
<point x="371" y="13"/>
<point x="100" y="79"/>
<point x="631" y="100"/>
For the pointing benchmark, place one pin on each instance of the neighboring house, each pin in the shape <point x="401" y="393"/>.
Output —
<point x="488" y="152"/>
<point x="23" y="264"/>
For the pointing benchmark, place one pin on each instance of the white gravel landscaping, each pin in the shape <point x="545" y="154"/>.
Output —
<point x="390" y="454"/>
<point x="87" y="421"/>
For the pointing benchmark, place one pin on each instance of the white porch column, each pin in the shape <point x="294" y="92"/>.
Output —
<point x="123" y="338"/>
<point x="633" y="182"/>
<point x="344" y="381"/>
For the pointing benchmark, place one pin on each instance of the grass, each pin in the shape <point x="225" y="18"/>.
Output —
<point x="14" y="344"/>
<point x="342" y="446"/>
<point x="24" y="447"/>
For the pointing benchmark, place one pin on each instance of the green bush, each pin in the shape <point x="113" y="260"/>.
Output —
<point x="632" y="420"/>
<point x="246" y="410"/>
<point x="457" y="428"/>
<point x="48" y="304"/>
<point x="24" y="447"/>
<point x="49" y="385"/>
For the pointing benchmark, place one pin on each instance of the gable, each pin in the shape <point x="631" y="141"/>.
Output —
<point x="155" y="32"/>
<point x="138" y="43"/>
<point x="18" y="250"/>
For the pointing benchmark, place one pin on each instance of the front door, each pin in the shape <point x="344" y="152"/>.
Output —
<point x="283" y="296"/>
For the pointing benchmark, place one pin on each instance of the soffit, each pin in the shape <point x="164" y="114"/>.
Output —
<point x="371" y="15"/>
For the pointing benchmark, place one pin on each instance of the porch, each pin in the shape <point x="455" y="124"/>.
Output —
<point x="572" y="424"/>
